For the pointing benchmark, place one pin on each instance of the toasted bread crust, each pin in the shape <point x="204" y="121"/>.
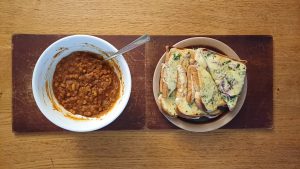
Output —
<point x="193" y="83"/>
<point x="229" y="57"/>
<point x="197" y="86"/>
<point x="161" y="79"/>
<point x="190" y="89"/>
<point x="188" y="116"/>
<point x="181" y="82"/>
<point x="214" y="113"/>
<point x="163" y="86"/>
<point x="167" y="53"/>
<point x="195" y="79"/>
<point x="199" y="103"/>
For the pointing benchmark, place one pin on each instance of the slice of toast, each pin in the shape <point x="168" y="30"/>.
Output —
<point x="229" y="75"/>
<point x="173" y="58"/>
<point x="184" y="108"/>
<point x="194" y="87"/>
<point x="209" y="93"/>
<point x="166" y="101"/>
<point x="168" y="78"/>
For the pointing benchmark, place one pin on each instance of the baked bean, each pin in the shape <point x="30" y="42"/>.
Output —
<point x="84" y="84"/>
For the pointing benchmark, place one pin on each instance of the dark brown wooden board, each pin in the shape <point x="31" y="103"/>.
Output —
<point x="141" y="112"/>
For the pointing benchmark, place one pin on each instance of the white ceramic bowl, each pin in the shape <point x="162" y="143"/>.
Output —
<point x="43" y="75"/>
<point x="220" y="121"/>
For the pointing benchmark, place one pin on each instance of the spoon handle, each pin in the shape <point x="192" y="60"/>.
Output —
<point x="138" y="42"/>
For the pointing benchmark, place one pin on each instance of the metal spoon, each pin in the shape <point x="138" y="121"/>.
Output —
<point x="136" y="43"/>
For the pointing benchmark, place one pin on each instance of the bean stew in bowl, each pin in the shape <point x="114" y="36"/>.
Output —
<point x="75" y="88"/>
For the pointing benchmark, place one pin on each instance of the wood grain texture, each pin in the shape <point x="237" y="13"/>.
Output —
<point x="278" y="148"/>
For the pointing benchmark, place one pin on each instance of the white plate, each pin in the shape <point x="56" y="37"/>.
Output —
<point x="220" y="121"/>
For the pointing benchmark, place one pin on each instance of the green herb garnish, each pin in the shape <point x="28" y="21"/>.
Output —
<point x="226" y="62"/>
<point x="176" y="56"/>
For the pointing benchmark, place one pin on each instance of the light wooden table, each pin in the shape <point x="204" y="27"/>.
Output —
<point x="277" y="148"/>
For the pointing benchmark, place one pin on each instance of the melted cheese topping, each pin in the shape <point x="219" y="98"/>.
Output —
<point x="199" y="57"/>
<point x="209" y="92"/>
<point x="230" y="101"/>
<point x="229" y="75"/>
<point x="177" y="57"/>
<point x="168" y="104"/>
